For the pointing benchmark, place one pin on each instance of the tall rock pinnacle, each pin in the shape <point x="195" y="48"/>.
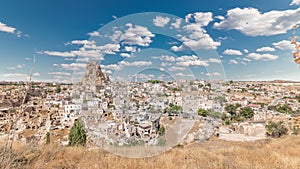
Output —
<point x="93" y="75"/>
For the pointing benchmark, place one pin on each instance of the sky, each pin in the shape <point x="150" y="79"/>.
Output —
<point x="139" y="40"/>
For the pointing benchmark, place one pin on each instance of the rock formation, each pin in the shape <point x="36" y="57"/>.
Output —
<point x="93" y="75"/>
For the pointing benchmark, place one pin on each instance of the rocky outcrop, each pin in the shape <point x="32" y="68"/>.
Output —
<point x="93" y="75"/>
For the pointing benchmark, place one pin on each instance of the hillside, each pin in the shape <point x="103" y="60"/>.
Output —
<point x="268" y="154"/>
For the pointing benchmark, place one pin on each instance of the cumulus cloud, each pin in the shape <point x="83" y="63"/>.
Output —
<point x="93" y="34"/>
<point x="197" y="37"/>
<point x="200" y="18"/>
<point x="167" y="58"/>
<point x="36" y="74"/>
<point x="73" y="66"/>
<point x="177" y="23"/>
<point x="213" y="74"/>
<point x="176" y="68"/>
<point x="214" y="60"/>
<point x="232" y="61"/>
<point x="284" y="45"/>
<point x="265" y="49"/>
<point x="15" y="75"/>
<point x="252" y="22"/>
<point x="56" y="53"/>
<point x="60" y="73"/>
<point x="246" y="50"/>
<point x="130" y="49"/>
<point x="263" y="57"/>
<point x="161" y="21"/>
<point x="134" y="35"/>
<point x="295" y="2"/>
<point x="5" y="28"/>
<point x="135" y="63"/>
<point x="126" y="55"/>
<point x="111" y="66"/>
<point x="82" y="42"/>
<point x="232" y="52"/>
<point x="190" y="61"/>
<point x="88" y="50"/>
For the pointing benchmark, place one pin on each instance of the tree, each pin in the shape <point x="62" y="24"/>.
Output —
<point x="161" y="130"/>
<point x="276" y="129"/>
<point x="231" y="108"/>
<point x="247" y="112"/>
<point x="202" y="112"/>
<point x="77" y="135"/>
<point x="57" y="89"/>
<point x="48" y="138"/>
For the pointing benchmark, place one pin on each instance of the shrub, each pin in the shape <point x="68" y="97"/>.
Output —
<point x="48" y="138"/>
<point x="77" y="135"/>
<point x="276" y="129"/>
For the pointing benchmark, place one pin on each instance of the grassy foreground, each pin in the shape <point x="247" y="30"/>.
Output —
<point x="216" y="154"/>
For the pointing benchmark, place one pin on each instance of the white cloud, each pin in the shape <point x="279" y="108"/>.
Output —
<point x="95" y="33"/>
<point x="20" y="66"/>
<point x="246" y="59"/>
<point x="200" y="18"/>
<point x="251" y="22"/>
<point x="115" y="17"/>
<point x="214" y="74"/>
<point x="220" y="17"/>
<point x="263" y="57"/>
<point x="130" y="49"/>
<point x="295" y="2"/>
<point x="5" y="28"/>
<point x="111" y="66"/>
<point x="88" y="50"/>
<point x="167" y="58"/>
<point x="197" y="37"/>
<point x="177" y="23"/>
<point x="73" y="66"/>
<point x="161" y="21"/>
<point x="127" y="55"/>
<point x="232" y="52"/>
<point x="183" y="75"/>
<point x="82" y="42"/>
<point x="61" y="54"/>
<point x="36" y="74"/>
<point x="145" y="76"/>
<point x="246" y="51"/>
<point x="214" y="60"/>
<point x="60" y="73"/>
<point x="134" y="35"/>
<point x="190" y="61"/>
<point x="16" y="75"/>
<point x="284" y="45"/>
<point x="232" y="61"/>
<point x="176" y="68"/>
<point x="265" y="49"/>
<point x="135" y="63"/>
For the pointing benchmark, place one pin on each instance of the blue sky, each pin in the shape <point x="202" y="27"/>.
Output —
<point x="182" y="39"/>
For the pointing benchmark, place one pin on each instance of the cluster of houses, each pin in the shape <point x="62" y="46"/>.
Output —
<point x="123" y="112"/>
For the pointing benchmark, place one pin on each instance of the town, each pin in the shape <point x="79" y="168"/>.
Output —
<point x="147" y="113"/>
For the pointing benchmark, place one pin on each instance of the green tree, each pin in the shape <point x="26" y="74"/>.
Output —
<point x="202" y="112"/>
<point x="232" y="108"/>
<point x="77" y="135"/>
<point x="276" y="129"/>
<point x="161" y="130"/>
<point x="246" y="112"/>
<point x="48" y="138"/>
<point x="57" y="89"/>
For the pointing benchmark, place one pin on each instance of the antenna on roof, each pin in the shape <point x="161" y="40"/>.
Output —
<point x="32" y="67"/>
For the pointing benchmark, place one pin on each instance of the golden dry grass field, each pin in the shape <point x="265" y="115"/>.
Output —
<point x="283" y="153"/>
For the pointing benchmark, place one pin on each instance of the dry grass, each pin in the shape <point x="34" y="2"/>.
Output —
<point x="281" y="153"/>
